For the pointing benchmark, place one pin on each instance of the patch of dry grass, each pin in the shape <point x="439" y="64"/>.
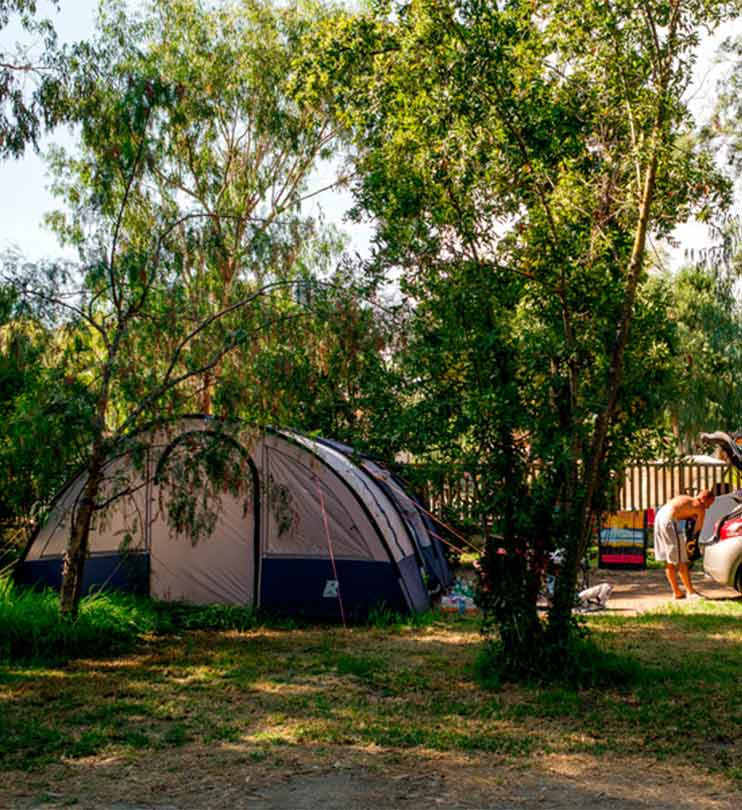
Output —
<point x="274" y="696"/>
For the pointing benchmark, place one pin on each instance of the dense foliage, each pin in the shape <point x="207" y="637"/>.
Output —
<point x="708" y="311"/>
<point x="183" y="204"/>
<point x="32" y="627"/>
<point x="514" y="167"/>
<point x="45" y="411"/>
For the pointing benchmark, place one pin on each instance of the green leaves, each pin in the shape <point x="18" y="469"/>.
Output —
<point x="515" y="157"/>
<point x="184" y="205"/>
<point x="708" y="318"/>
<point x="31" y="79"/>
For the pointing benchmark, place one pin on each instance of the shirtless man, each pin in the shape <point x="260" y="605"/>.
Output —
<point x="669" y="547"/>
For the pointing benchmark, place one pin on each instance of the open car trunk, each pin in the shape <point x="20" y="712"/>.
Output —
<point x="721" y="538"/>
<point x="728" y="446"/>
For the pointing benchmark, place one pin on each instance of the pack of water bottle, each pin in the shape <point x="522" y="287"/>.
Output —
<point x="459" y="599"/>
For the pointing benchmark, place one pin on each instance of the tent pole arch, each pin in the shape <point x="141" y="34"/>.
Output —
<point x="367" y="512"/>
<point x="41" y="524"/>
<point x="255" y="482"/>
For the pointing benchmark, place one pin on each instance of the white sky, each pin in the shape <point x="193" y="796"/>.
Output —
<point x="25" y="197"/>
<point x="24" y="183"/>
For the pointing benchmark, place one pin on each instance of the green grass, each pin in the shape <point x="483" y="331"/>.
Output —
<point x="31" y="627"/>
<point x="272" y="692"/>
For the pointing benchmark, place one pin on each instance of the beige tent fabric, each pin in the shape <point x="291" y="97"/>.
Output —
<point x="294" y="524"/>
<point x="218" y="568"/>
<point x="127" y="517"/>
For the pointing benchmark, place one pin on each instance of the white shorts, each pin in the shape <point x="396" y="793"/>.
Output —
<point x="668" y="547"/>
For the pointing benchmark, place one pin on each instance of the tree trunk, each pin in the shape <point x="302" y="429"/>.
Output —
<point x="77" y="548"/>
<point x="206" y="393"/>
<point x="561" y="611"/>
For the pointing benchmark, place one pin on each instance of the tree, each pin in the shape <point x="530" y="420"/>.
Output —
<point x="331" y="372"/>
<point x="709" y="319"/>
<point x="43" y="405"/>
<point x="151" y="308"/>
<point x="516" y="164"/>
<point x="232" y="153"/>
<point x="707" y="291"/>
<point x="31" y="86"/>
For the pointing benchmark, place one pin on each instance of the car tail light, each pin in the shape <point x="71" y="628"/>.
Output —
<point x="732" y="528"/>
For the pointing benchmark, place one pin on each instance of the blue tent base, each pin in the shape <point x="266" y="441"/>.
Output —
<point x="288" y="586"/>
<point x="120" y="572"/>
<point x="297" y="586"/>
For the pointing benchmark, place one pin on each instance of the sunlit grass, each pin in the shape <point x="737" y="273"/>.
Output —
<point x="403" y="688"/>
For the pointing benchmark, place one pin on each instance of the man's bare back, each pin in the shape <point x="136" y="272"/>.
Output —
<point x="686" y="507"/>
<point x="667" y="544"/>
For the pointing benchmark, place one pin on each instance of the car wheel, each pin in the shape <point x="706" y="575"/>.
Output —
<point x="738" y="579"/>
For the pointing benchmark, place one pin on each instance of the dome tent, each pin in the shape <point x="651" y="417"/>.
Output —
<point x="420" y="523"/>
<point x="308" y="531"/>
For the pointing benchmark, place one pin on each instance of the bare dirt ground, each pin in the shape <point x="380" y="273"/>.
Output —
<point x="639" y="591"/>
<point x="224" y="776"/>
<point x="224" y="779"/>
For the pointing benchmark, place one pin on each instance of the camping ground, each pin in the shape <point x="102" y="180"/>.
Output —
<point x="318" y="716"/>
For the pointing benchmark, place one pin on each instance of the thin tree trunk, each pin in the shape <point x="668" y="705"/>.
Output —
<point x="636" y="263"/>
<point x="560" y="613"/>
<point x="615" y="374"/>
<point x="77" y="547"/>
<point x="76" y="554"/>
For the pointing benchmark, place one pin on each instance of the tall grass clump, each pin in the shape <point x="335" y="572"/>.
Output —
<point x="31" y="626"/>
<point x="582" y="664"/>
<point x="179" y="616"/>
<point x="384" y="618"/>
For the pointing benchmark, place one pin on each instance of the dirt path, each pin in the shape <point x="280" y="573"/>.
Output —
<point x="197" y="778"/>
<point x="640" y="591"/>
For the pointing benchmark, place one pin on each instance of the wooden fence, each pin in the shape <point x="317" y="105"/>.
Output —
<point x="644" y="486"/>
<point x="649" y="486"/>
<point x="451" y="497"/>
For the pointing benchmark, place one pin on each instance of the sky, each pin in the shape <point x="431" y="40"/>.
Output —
<point x="26" y="197"/>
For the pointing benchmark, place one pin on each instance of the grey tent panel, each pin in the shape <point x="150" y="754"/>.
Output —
<point x="419" y="523"/>
<point x="378" y="504"/>
<point x="389" y="523"/>
<point x="306" y="515"/>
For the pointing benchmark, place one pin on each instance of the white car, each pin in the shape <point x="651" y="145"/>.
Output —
<point x="721" y="536"/>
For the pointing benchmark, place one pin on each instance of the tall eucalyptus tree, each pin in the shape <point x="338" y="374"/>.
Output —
<point x="183" y="204"/>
